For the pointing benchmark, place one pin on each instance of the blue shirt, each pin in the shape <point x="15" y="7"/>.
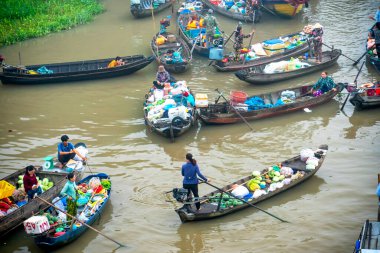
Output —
<point x="377" y="16"/>
<point x="190" y="172"/>
<point x="62" y="148"/>
<point x="378" y="190"/>
<point x="69" y="190"/>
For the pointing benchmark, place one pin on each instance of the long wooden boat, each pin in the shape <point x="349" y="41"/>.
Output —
<point x="250" y="18"/>
<point x="15" y="219"/>
<point x="143" y="8"/>
<point x="171" y="126"/>
<point x="257" y="75"/>
<point x="211" y="204"/>
<point x="179" y="45"/>
<point x="368" y="238"/>
<point x="224" y="113"/>
<point x="365" y="97"/>
<point x="191" y="36"/>
<point x="48" y="240"/>
<point x="73" y="71"/>
<point x="222" y="66"/>
<point x="285" y="8"/>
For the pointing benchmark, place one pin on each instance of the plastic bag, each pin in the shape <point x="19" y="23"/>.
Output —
<point x="306" y="153"/>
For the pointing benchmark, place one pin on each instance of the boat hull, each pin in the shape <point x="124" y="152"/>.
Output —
<point x="74" y="71"/>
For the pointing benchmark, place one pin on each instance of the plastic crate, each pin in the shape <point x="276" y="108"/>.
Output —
<point x="6" y="189"/>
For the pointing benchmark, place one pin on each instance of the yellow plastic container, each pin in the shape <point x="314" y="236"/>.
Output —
<point x="6" y="189"/>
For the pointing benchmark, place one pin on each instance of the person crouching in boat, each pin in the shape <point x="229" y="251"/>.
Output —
<point x="162" y="77"/>
<point x="190" y="173"/>
<point x="317" y="41"/>
<point x="116" y="62"/>
<point x="31" y="185"/>
<point x="70" y="192"/>
<point x="323" y="85"/>
<point x="375" y="34"/>
<point x="67" y="151"/>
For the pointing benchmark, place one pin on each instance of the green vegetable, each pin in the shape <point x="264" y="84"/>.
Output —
<point x="50" y="184"/>
<point x="21" y="177"/>
<point x="106" y="183"/>
<point x="20" y="182"/>
<point x="45" y="181"/>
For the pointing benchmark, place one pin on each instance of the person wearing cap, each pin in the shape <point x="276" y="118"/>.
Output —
<point x="239" y="37"/>
<point x="211" y="25"/>
<point x="67" y="151"/>
<point x="162" y="77"/>
<point x="317" y="41"/>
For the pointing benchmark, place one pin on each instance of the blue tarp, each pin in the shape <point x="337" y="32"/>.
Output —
<point x="257" y="103"/>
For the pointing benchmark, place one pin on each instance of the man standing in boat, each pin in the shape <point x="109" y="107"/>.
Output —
<point x="211" y="25"/>
<point x="239" y="37"/>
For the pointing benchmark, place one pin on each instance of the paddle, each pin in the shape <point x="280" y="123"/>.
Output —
<point x="365" y="53"/>
<point x="121" y="245"/>
<point x="341" y="53"/>
<point x="355" y="82"/>
<point x="229" y="38"/>
<point x="246" y="202"/>
<point x="250" y="41"/>
<point x="238" y="113"/>
<point x="195" y="42"/>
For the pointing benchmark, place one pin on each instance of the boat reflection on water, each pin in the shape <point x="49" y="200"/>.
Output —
<point x="360" y="120"/>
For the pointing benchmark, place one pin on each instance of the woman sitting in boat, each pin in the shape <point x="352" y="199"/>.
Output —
<point x="116" y="62"/>
<point x="323" y="85"/>
<point x="162" y="77"/>
<point x="190" y="172"/>
<point x="239" y="37"/>
<point x="375" y="35"/>
<point x="31" y="185"/>
<point x="70" y="191"/>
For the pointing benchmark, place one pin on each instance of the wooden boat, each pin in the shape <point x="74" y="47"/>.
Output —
<point x="250" y="18"/>
<point x="365" y="96"/>
<point x="285" y="8"/>
<point x="47" y="240"/>
<point x="224" y="113"/>
<point x="257" y="75"/>
<point x="179" y="45"/>
<point x="368" y="238"/>
<point x="189" y="36"/>
<point x="280" y="55"/>
<point x="15" y="219"/>
<point x="171" y="126"/>
<point x="72" y="71"/>
<point x="143" y="8"/>
<point x="211" y="204"/>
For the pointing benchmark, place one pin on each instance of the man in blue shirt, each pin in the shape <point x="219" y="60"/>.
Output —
<point x="67" y="151"/>
<point x="377" y="16"/>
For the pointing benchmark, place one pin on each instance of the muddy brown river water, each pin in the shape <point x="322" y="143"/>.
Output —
<point x="325" y="213"/>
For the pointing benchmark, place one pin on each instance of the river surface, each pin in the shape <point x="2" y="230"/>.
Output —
<point x="325" y="213"/>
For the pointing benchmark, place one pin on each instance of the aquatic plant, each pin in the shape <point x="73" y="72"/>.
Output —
<point x="24" y="19"/>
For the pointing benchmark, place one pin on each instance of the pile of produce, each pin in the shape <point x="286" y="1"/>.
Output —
<point x="44" y="183"/>
<point x="270" y="179"/>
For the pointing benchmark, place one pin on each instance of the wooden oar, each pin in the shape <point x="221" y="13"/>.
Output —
<point x="229" y="38"/>
<point x="246" y="202"/>
<point x="341" y="53"/>
<point x="195" y="42"/>
<point x="250" y="41"/>
<point x="238" y="113"/>
<point x="355" y="82"/>
<point x="357" y="61"/>
<point x="109" y="238"/>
